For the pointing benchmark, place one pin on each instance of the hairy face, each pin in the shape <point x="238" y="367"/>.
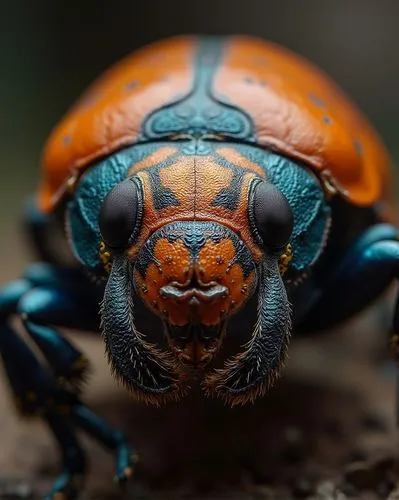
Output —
<point x="194" y="275"/>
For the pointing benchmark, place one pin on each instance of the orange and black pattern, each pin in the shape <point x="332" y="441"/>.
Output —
<point x="238" y="88"/>
<point x="185" y="182"/>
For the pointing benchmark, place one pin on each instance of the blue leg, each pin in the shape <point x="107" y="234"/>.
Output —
<point x="65" y="298"/>
<point x="70" y="481"/>
<point x="112" y="438"/>
<point x="365" y="271"/>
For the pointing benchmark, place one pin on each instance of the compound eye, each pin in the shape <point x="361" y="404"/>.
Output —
<point x="119" y="214"/>
<point x="272" y="216"/>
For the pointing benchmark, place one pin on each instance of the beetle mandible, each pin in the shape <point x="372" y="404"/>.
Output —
<point x="195" y="174"/>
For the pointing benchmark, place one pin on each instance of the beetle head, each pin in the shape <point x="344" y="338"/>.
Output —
<point x="194" y="275"/>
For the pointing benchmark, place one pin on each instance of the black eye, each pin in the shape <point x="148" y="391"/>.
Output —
<point x="119" y="214"/>
<point x="272" y="216"/>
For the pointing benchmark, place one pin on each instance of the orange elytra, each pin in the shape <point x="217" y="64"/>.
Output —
<point x="294" y="108"/>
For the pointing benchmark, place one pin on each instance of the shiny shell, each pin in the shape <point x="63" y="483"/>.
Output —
<point x="289" y="106"/>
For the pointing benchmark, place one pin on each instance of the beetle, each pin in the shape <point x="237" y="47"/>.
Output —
<point x="196" y="174"/>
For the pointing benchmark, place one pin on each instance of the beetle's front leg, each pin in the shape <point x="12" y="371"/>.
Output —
<point x="367" y="268"/>
<point x="47" y="296"/>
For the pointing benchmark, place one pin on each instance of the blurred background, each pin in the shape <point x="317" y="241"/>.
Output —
<point x="51" y="50"/>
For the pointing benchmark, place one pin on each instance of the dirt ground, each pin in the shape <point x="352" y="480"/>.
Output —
<point x="327" y="431"/>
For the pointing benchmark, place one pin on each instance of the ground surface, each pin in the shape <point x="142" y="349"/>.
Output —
<point x="325" y="432"/>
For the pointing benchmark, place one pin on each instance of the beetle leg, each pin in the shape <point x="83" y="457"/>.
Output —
<point x="38" y="283"/>
<point x="368" y="267"/>
<point x="113" y="439"/>
<point x="366" y="270"/>
<point x="68" y="484"/>
<point x="44" y="306"/>
<point x="36" y="393"/>
<point x="49" y="296"/>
